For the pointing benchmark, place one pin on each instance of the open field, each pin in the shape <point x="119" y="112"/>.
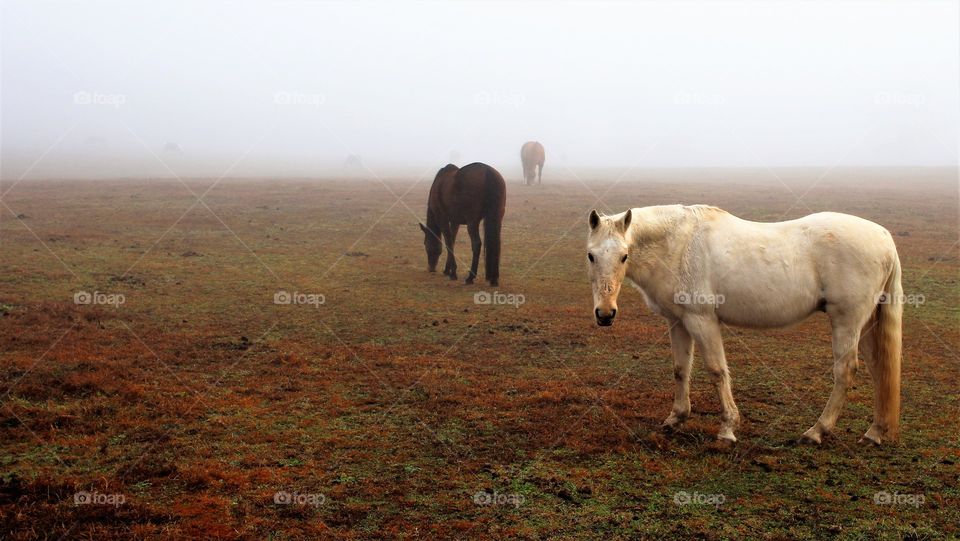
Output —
<point x="389" y="407"/>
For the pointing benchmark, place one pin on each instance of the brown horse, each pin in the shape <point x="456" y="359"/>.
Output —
<point x="467" y="196"/>
<point x="532" y="156"/>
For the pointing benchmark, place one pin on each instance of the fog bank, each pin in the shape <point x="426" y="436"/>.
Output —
<point x="156" y="89"/>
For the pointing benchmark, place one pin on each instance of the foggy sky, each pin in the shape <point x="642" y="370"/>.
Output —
<point x="292" y="88"/>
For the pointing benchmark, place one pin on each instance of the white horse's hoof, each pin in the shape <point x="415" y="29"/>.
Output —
<point x="813" y="436"/>
<point x="872" y="436"/>
<point x="726" y="434"/>
<point x="673" y="422"/>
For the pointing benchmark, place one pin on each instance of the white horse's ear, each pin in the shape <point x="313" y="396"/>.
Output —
<point x="626" y="220"/>
<point x="594" y="219"/>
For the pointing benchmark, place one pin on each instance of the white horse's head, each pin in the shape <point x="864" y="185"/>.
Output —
<point x="607" y="251"/>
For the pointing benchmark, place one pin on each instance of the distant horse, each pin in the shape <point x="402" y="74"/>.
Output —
<point x="467" y="196"/>
<point x="532" y="156"/>
<point x="702" y="268"/>
<point x="353" y="161"/>
<point x="172" y="148"/>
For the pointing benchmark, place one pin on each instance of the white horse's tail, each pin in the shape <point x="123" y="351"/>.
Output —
<point x="887" y="334"/>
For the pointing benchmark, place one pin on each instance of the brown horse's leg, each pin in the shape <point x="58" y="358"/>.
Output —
<point x="474" y="231"/>
<point x="445" y="236"/>
<point x="540" y="174"/>
<point x="450" y="238"/>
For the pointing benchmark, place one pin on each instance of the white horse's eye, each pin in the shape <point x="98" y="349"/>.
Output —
<point x="590" y="257"/>
<point x="624" y="258"/>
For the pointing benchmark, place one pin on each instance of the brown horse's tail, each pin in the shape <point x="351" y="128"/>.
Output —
<point x="887" y="356"/>
<point x="496" y="201"/>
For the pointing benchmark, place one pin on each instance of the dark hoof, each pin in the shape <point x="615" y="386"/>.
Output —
<point x="453" y="276"/>
<point x="494" y="283"/>
<point x="468" y="281"/>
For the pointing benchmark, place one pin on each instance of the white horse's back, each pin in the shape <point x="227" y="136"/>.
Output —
<point x="775" y="274"/>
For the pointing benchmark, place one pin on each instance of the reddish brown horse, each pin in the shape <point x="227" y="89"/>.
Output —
<point x="532" y="157"/>
<point x="465" y="196"/>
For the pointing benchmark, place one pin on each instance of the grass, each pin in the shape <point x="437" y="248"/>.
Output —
<point x="399" y="399"/>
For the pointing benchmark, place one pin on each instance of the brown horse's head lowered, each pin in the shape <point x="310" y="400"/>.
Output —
<point x="465" y="196"/>
<point x="431" y="241"/>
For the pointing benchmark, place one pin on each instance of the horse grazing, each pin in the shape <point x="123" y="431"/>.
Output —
<point x="702" y="268"/>
<point x="468" y="196"/>
<point x="532" y="156"/>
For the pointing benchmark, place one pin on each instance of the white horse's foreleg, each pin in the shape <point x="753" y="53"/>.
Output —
<point x="682" y="345"/>
<point x="846" y="335"/>
<point x="706" y="332"/>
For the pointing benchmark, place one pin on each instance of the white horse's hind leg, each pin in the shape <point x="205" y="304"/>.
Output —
<point x="846" y="335"/>
<point x="706" y="332"/>
<point x="682" y="345"/>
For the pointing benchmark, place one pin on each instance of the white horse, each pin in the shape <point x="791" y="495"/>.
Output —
<point x="701" y="268"/>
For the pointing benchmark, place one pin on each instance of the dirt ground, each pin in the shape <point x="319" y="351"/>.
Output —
<point x="274" y="361"/>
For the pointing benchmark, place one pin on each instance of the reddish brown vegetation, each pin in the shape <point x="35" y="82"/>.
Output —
<point x="399" y="398"/>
